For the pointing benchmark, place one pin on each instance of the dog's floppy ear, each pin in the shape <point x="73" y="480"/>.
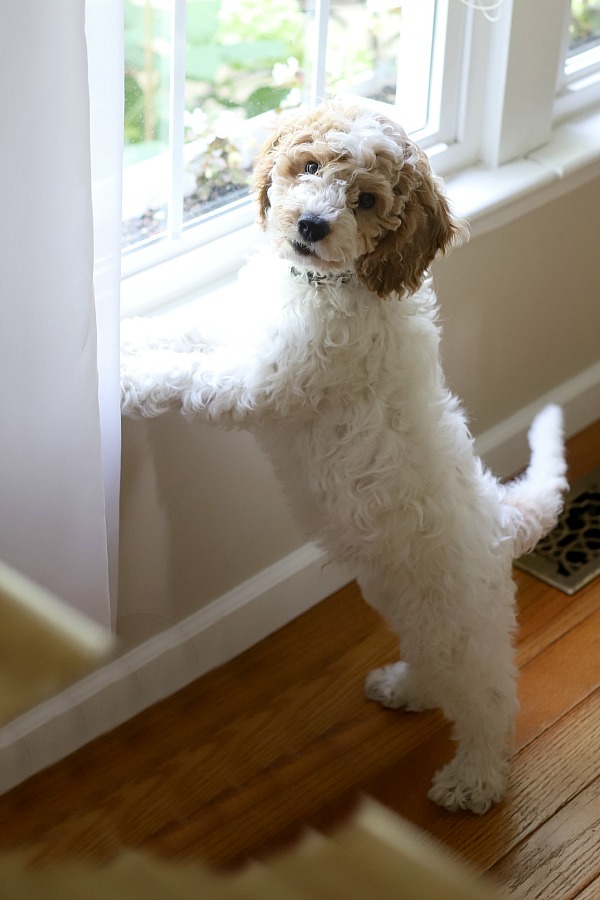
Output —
<point x="262" y="179"/>
<point x="263" y="167"/>
<point x="426" y="227"/>
<point x="288" y="124"/>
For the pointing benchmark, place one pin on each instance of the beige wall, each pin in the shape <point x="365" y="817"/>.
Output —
<point x="200" y="510"/>
<point x="521" y="307"/>
<point x="200" y="513"/>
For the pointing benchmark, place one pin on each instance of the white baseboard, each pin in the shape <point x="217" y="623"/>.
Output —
<point x="234" y="622"/>
<point x="165" y="663"/>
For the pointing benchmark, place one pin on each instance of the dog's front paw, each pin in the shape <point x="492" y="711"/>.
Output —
<point x="457" y="788"/>
<point x="131" y="390"/>
<point x="393" y="686"/>
<point x="150" y="382"/>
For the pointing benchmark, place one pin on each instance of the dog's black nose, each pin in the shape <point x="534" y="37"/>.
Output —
<point x="313" y="228"/>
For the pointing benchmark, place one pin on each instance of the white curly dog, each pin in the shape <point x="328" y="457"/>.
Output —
<point x="337" y="373"/>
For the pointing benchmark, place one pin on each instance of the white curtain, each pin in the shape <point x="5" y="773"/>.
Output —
<point x="104" y="32"/>
<point x="58" y="460"/>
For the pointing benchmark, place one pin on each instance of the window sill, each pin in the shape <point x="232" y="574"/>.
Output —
<point x="488" y="198"/>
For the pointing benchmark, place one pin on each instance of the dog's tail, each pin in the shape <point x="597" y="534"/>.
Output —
<point x="536" y="497"/>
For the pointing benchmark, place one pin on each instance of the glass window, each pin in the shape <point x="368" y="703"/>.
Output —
<point x="147" y="89"/>
<point x="582" y="61"/>
<point x="584" y="30"/>
<point x="244" y="59"/>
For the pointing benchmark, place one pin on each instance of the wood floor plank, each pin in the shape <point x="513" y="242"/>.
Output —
<point x="557" y="679"/>
<point x="287" y="728"/>
<point x="415" y="754"/>
<point x="324" y="774"/>
<point x="188" y="809"/>
<point x="255" y="705"/>
<point x="267" y="739"/>
<point x="545" y="775"/>
<point x="591" y="891"/>
<point x="556" y="862"/>
<point x="282" y="737"/>
<point x="546" y="614"/>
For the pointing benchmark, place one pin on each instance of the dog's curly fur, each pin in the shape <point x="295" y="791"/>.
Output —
<point x="342" y="385"/>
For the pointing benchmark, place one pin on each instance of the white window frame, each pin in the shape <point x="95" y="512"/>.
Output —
<point x="495" y="142"/>
<point x="449" y="26"/>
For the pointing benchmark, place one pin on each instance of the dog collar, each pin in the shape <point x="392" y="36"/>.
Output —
<point x="318" y="279"/>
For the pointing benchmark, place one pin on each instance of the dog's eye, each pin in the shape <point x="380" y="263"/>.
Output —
<point x="311" y="168"/>
<point x="366" y="200"/>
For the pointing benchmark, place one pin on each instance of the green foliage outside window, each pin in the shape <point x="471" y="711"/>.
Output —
<point x="232" y="48"/>
<point x="585" y="23"/>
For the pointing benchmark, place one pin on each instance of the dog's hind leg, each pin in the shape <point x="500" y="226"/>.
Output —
<point x="473" y="680"/>
<point x="464" y="666"/>
<point x="482" y="707"/>
<point x="477" y="692"/>
<point x="396" y="687"/>
<point x="483" y="727"/>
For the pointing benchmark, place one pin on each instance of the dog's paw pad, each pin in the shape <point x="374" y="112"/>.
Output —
<point x="456" y="791"/>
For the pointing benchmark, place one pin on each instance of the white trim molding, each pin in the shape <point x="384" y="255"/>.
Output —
<point x="234" y="622"/>
<point x="166" y="663"/>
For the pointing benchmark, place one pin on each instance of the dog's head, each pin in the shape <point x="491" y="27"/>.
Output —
<point x="345" y="189"/>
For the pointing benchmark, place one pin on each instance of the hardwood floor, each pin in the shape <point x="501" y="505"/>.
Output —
<point x="240" y="761"/>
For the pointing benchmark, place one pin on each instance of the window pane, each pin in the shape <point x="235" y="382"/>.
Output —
<point x="145" y="175"/>
<point x="382" y="49"/>
<point x="244" y="59"/>
<point x="584" y="30"/>
<point x="362" y="47"/>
